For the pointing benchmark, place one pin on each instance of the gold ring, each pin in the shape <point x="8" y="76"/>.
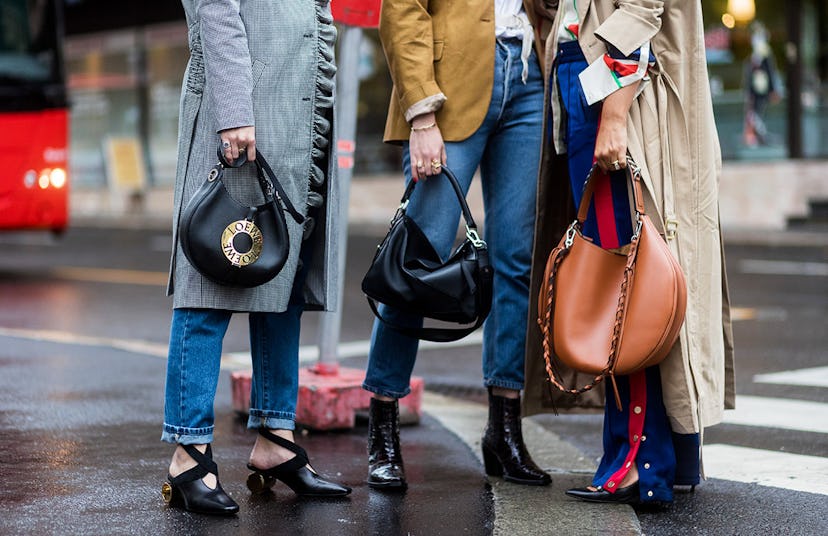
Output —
<point x="436" y="164"/>
<point x="615" y="165"/>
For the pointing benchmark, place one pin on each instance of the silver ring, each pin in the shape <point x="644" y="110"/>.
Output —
<point x="225" y="144"/>
<point x="615" y="165"/>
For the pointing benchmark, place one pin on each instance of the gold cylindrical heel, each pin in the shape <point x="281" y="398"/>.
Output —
<point x="166" y="492"/>
<point x="259" y="483"/>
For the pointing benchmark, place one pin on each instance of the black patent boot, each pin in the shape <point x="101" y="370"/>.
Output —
<point x="504" y="453"/>
<point x="385" y="463"/>
<point x="189" y="492"/>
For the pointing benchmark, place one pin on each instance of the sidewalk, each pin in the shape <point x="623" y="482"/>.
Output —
<point x="755" y="200"/>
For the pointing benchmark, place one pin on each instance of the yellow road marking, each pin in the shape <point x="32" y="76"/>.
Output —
<point x="109" y="275"/>
<point x="742" y="313"/>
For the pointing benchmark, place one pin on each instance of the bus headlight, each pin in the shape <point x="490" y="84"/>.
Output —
<point x="57" y="177"/>
<point x="43" y="181"/>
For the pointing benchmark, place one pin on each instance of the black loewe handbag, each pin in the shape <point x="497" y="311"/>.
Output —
<point x="408" y="275"/>
<point x="231" y="243"/>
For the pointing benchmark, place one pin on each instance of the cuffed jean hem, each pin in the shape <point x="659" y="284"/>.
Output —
<point x="187" y="436"/>
<point x="504" y="384"/>
<point x="386" y="392"/>
<point x="275" y="420"/>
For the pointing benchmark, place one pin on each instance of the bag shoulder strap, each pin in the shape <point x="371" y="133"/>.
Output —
<point x="437" y="334"/>
<point x="281" y="195"/>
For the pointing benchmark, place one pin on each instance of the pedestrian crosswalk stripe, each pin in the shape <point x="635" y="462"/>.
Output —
<point x="766" y="468"/>
<point x="809" y="377"/>
<point x="765" y="267"/>
<point x="779" y="413"/>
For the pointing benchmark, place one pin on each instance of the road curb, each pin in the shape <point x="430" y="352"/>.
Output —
<point x="534" y="510"/>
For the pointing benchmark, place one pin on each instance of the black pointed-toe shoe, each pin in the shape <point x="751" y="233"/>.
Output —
<point x="294" y="472"/>
<point x="504" y="452"/>
<point x="189" y="492"/>
<point x="385" y="464"/>
<point x="626" y="495"/>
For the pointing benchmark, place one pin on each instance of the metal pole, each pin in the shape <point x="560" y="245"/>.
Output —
<point x="793" y="53"/>
<point x="347" y="97"/>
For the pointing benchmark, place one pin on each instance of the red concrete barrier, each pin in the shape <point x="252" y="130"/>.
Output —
<point x="330" y="398"/>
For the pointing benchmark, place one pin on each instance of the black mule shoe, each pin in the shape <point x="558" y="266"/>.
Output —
<point x="188" y="490"/>
<point x="626" y="495"/>
<point x="385" y="463"/>
<point x="294" y="472"/>
<point x="504" y="452"/>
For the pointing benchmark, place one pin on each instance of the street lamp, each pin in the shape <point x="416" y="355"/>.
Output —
<point x="743" y="11"/>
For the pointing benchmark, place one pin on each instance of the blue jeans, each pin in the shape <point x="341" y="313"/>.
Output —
<point x="194" y="361"/>
<point x="193" y="371"/>
<point x="506" y="147"/>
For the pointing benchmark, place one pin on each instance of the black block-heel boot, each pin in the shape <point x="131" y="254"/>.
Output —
<point x="188" y="490"/>
<point x="385" y="463"/>
<point x="504" y="453"/>
<point x="294" y="472"/>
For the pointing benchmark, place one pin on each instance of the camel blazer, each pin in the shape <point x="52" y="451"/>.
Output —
<point x="437" y="46"/>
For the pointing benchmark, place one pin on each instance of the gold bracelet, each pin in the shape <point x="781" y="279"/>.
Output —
<point x="425" y="127"/>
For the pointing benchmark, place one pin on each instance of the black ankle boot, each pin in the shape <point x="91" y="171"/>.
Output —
<point x="385" y="463"/>
<point x="504" y="453"/>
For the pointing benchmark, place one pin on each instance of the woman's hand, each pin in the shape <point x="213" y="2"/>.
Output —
<point x="611" y="141"/>
<point x="235" y="141"/>
<point x="426" y="148"/>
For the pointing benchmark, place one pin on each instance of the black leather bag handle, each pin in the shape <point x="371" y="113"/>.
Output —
<point x="268" y="182"/>
<point x="458" y="191"/>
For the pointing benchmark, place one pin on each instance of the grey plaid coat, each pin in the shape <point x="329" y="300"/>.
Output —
<point x="266" y="63"/>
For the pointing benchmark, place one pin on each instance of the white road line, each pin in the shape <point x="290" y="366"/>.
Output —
<point x="764" y="267"/>
<point x="779" y="413"/>
<point x="809" y="377"/>
<point x="230" y="361"/>
<point x="767" y="468"/>
<point x="65" y="337"/>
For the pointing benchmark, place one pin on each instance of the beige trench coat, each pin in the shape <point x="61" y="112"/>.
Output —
<point x="672" y="136"/>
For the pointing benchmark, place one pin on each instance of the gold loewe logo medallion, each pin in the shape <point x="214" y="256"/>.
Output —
<point x="228" y="242"/>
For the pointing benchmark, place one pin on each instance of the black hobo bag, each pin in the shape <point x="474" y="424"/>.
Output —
<point x="408" y="275"/>
<point x="231" y="243"/>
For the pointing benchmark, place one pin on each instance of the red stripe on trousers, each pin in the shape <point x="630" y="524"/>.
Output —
<point x="638" y="401"/>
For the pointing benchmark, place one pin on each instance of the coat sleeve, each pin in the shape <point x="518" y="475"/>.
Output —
<point x="632" y="24"/>
<point x="407" y="38"/>
<point x="227" y="63"/>
<point x="627" y="34"/>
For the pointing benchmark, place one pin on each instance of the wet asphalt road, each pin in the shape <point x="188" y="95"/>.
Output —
<point x="79" y="417"/>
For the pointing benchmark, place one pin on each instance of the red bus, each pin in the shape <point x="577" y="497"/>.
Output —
<point x="34" y="182"/>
